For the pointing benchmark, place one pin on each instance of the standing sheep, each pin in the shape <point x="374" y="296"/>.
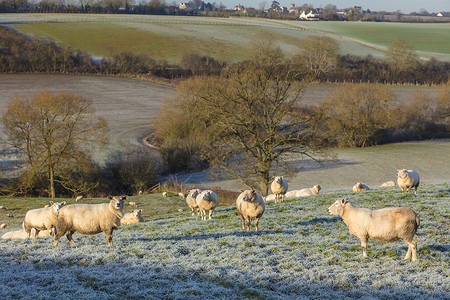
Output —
<point x="78" y="198"/>
<point x="279" y="187"/>
<point x="360" y="187"/>
<point x="42" y="218"/>
<point x="304" y="192"/>
<point x="250" y="205"/>
<point x="207" y="200"/>
<point x="384" y="225"/>
<point x="191" y="200"/>
<point x="132" y="217"/>
<point x="407" y="179"/>
<point x="90" y="219"/>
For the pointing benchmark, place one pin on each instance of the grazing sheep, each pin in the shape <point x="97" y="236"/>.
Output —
<point x="132" y="204"/>
<point x="42" y="218"/>
<point x="3" y="226"/>
<point x="78" y="198"/>
<point x="164" y="194"/>
<point x="387" y="183"/>
<point x="270" y="197"/>
<point x="207" y="200"/>
<point x="304" y="192"/>
<point x="407" y="179"/>
<point x="90" y="219"/>
<point x="132" y="217"/>
<point x="250" y="205"/>
<point x="360" y="187"/>
<point x="279" y="187"/>
<point x="384" y="225"/>
<point x="191" y="200"/>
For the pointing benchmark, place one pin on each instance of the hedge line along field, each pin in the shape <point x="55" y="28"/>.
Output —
<point x="300" y="252"/>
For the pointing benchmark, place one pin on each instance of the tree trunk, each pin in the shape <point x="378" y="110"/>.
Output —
<point x="52" y="182"/>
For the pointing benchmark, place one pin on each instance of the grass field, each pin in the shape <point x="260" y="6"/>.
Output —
<point x="169" y="37"/>
<point x="300" y="252"/>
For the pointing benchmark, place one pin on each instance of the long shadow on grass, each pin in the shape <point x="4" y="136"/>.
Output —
<point x="217" y="235"/>
<point x="319" y="220"/>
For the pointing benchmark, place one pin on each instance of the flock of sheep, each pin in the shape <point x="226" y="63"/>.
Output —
<point x="386" y="225"/>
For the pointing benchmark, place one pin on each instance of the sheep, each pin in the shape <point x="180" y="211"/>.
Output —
<point x="132" y="217"/>
<point x="78" y="198"/>
<point x="360" y="187"/>
<point x="279" y="187"/>
<point x="10" y="215"/>
<point x="164" y="194"/>
<point x="250" y="205"/>
<point x="407" y="179"/>
<point x="132" y="204"/>
<point x="2" y="207"/>
<point x="42" y="218"/>
<point x="207" y="200"/>
<point x="90" y="219"/>
<point x="304" y="192"/>
<point x="21" y="234"/>
<point x="181" y="195"/>
<point x="387" y="183"/>
<point x="384" y="225"/>
<point x="270" y="197"/>
<point x="3" y="226"/>
<point x="191" y="200"/>
<point x="140" y="193"/>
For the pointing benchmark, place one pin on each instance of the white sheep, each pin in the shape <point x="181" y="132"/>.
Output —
<point x="132" y="204"/>
<point x="360" y="187"/>
<point x="207" y="200"/>
<point x="384" y="225"/>
<point x="407" y="179"/>
<point x="2" y="207"/>
<point x="270" y="197"/>
<point x="90" y="219"/>
<point x="21" y="234"/>
<point x="387" y="183"/>
<point x="42" y="218"/>
<point x="164" y="194"/>
<point x="78" y="198"/>
<point x="181" y="195"/>
<point x="304" y="192"/>
<point x="132" y="217"/>
<point x="3" y="226"/>
<point x="279" y="187"/>
<point x="250" y="205"/>
<point x="191" y="200"/>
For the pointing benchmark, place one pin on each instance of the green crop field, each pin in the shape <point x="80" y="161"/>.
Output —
<point x="299" y="252"/>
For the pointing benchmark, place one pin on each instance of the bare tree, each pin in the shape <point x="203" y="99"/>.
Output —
<point x="401" y="56"/>
<point x="52" y="131"/>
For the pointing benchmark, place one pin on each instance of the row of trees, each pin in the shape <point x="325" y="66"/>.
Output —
<point x="318" y="59"/>
<point x="247" y="122"/>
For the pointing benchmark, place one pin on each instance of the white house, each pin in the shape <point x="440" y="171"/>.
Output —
<point x="311" y="16"/>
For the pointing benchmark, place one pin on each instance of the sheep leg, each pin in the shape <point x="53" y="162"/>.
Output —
<point x="412" y="249"/>
<point x="242" y="219"/>
<point x="256" y="223"/>
<point x="248" y="222"/>
<point x="69" y="237"/>
<point x="58" y="235"/>
<point x="108" y="234"/>
<point x="364" y="246"/>
<point x="37" y="232"/>
<point x="210" y="213"/>
<point x="193" y="213"/>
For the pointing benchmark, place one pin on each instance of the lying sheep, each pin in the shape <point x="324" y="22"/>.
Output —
<point x="21" y="234"/>
<point x="387" y="183"/>
<point x="42" y="218"/>
<point x="132" y="204"/>
<point x="2" y="207"/>
<point x="304" y="192"/>
<point x="191" y="200"/>
<point x="132" y="217"/>
<point x="250" y="205"/>
<point x="207" y="200"/>
<point x="384" y="225"/>
<point x="164" y="194"/>
<point x="407" y="179"/>
<point x="90" y="219"/>
<point x="279" y="187"/>
<point x="360" y="187"/>
<point x="3" y="226"/>
<point x="181" y="195"/>
<point x="78" y="198"/>
<point x="270" y="197"/>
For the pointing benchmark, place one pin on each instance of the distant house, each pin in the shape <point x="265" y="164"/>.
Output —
<point x="442" y="14"/>
<point x="312" y="15"/>
<point x="295" y="10"/>
<point x="239" y="7"/>
<point x="184" y="6"/>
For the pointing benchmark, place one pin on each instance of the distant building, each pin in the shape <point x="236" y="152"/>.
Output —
<point x="312" y="15"/>
<point x="239" y="7"/>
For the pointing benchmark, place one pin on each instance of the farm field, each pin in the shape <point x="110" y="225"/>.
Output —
<point x="299" y="252"/>
<point x="169" y="37"/>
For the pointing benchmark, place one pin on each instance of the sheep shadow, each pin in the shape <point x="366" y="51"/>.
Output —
<point x="319" y="220"/>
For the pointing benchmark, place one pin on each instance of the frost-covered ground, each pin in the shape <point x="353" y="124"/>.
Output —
<point x="300" y="252"/>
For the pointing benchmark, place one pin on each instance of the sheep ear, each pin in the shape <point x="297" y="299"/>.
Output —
<point x="51" y="202"/>
<point x="110" y="197"/>
<point x="253" y="192"/>
<point x="64" y="203"/>
<point x="124" y="197"/>
<point x="343" y="201"/>
<point x="242" y="191"/>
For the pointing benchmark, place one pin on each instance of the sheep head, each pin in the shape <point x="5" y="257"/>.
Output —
<point x="56" y="206"/>
<point x="337" y="208"/>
